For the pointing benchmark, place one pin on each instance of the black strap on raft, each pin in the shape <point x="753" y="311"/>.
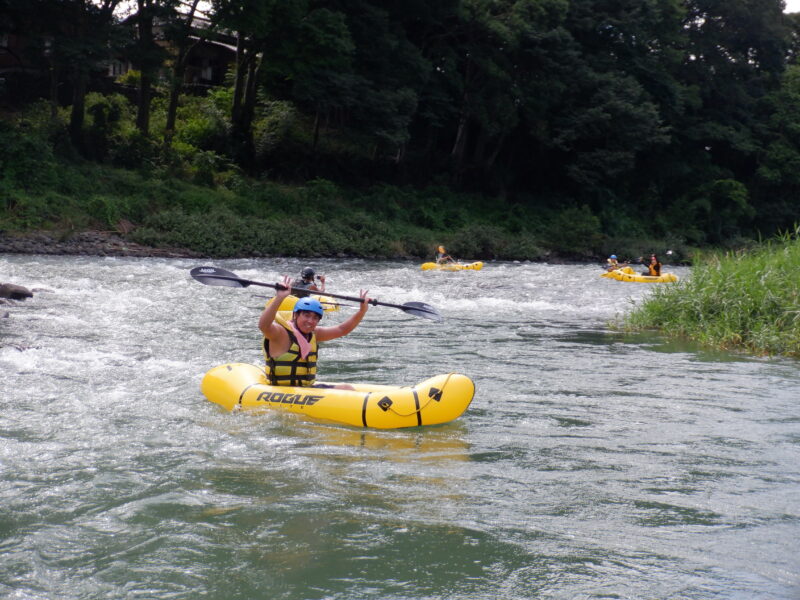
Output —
<point x="364" y="410"/>
<point x="385" y="403"/>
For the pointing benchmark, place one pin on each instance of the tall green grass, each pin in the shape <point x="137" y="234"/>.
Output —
<point x="747" y="300"/>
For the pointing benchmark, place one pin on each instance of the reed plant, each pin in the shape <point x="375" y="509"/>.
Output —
<point x="746" y="300"/>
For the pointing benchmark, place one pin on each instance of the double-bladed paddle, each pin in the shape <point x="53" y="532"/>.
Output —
<point x="221" y="277"/>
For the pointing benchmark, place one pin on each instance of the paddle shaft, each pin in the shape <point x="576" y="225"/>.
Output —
<point x="215" y="276"/>
<point x="278" y="286"/>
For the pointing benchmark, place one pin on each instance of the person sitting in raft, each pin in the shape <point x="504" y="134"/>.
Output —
<point x="612" y="263"/>
<point x="290" y="348"/>
<point x="654" y="267"/>
<point x="442" y="256"/>
<point x="306" y="281"/>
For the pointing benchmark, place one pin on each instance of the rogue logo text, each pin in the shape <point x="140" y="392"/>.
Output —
<point x="282" y="398"/>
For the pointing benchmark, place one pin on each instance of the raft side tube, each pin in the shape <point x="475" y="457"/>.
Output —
<point x="431" y="266"/>
<point x="439" y="399"/>
<point x="628" y="274"/>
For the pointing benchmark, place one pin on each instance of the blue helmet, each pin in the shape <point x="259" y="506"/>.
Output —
<point x="613" y="256"/>
<point x="310" y="304"/>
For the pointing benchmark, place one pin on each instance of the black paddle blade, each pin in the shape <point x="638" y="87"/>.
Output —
<point x="420" y="309"/>
<point x="217" y="276"/>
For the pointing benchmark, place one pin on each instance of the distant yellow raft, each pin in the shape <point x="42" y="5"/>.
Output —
<point x="628" y="274"/>
<point x="436" y="400"/>
<point x="432" y="266"/>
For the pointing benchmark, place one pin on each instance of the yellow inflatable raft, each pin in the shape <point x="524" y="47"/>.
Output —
<point x="432" y="266"/>
<point x="328" y="303"/>
<point x="628" y="274"/>
<point x="436" y="400"/>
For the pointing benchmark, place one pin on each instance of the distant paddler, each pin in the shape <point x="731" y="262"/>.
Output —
<point x="306" y="281"/>
<point x="653" y="267"/>
<point x="445" y="262"/>
<point x="442" y="256"/>
<point x="612" y="263"/>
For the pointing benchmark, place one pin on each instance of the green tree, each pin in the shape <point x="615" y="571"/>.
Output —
<point x="70" y="38"/>
<point x="309" y="60"/>
<point x="734" y="57"/>
<point x="179" y="32"/>
<point x="371" y="74"/>
<point x="777" y="185"/>
<point x="146" y="53"/>
<point x="267" y="34"/>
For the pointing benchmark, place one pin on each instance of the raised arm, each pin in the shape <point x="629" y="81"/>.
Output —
<point x="331" y="333"/>
<point x="266" y="323"/>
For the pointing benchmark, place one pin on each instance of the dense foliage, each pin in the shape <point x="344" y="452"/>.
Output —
<point x="582" y="126"/>
<point x="746" y="300"/>
<point x="238" y="215"/>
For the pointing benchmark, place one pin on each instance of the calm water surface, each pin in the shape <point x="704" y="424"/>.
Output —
<point x="591" y="464"/>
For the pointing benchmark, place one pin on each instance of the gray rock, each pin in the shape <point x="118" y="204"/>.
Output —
<point x="14" y="292"/>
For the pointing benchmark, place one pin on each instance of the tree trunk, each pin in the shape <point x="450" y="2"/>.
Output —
<point x="250" y="95"/>
<point x="172" y="107"/>
<point x="480" y="146"/>
<point x="242" y="126"/>
<point x="175" y="90"/>
<point x="460" y="143"/>
<point x="53" y="91"/>
<point x="315" y="139"/>
<point x="143" y="102"/>
<point x="239" y="83"/>
<point x="497" y="148"/>
<point x="401" y="154"/>
<point x="145" y="83"/>
<point x="178" y="73"/>
<point x="78" y="108"/>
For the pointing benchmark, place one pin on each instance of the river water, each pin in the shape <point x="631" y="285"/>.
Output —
<point x="591" y="464"/>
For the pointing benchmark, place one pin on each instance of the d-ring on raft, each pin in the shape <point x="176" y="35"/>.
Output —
<point x="439" y="399"/>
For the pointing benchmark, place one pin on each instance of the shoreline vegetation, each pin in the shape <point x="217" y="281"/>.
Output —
<point x="740" y="301"/>
<point x="68" y="202"/>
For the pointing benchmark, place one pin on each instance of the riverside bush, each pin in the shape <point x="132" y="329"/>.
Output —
<point x="484" y="242"/>
<point x="132" y="149"/>
<point x="26" y="158"/>
<point x="737" y="300"/>
<point x="575" y="231"/>
<point x="105" y="116"/>
<point x="216" y="233"/>
<point x="36" y="210"/>
<point x="203" y="122"/>
<point x="107" y="210"/>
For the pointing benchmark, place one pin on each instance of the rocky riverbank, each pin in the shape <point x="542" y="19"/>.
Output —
<point x="88" y="243"/>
